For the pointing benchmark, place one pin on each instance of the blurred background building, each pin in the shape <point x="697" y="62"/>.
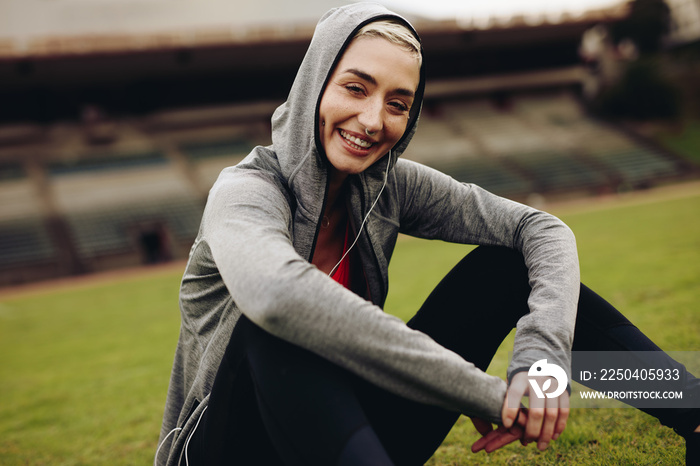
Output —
<point x="116" y="116"/>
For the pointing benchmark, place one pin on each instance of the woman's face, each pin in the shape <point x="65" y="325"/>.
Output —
<point x="372" y="88"/>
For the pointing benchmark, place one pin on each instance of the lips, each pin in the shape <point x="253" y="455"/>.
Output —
<point x="355" y="142"/>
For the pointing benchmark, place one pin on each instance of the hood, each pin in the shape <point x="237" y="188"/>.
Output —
<point x="295" y="132"/>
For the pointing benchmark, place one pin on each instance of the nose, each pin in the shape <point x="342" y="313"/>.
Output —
<point x="371" y="116"/>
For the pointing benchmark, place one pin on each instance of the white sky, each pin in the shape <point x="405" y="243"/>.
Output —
<point x="442" y="9"/>
<point x="24" y="19"/>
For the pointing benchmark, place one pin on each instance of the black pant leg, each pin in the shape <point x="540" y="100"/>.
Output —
<point x="500" y="288"/>
<point x="308" y="404"/>
<point x="275" y="403"/>
<point x="470" y="312"/>
<point x="601" y="327"/>
<point x="480" y="301"/>
<point x="477" y="304"/>
<point x="231" y="430"/>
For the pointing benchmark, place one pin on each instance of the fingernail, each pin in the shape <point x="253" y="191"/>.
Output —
<point x="555" y="436"/>
<point x="542" y="445"/>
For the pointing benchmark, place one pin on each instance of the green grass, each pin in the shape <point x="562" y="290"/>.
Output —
<point x="84" y="372"/>
<point x="85" y="369"/>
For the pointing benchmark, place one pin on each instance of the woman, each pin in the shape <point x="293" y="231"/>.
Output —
<point x="285" y="356"/>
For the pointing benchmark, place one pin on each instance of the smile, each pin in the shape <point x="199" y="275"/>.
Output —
<point x="355" y="142"/>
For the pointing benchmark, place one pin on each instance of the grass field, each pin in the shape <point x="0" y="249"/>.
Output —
<point x="85" y="365"/>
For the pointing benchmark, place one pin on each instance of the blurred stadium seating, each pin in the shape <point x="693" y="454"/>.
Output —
<point x="540" y="143"/>
<point x="24" y="238"/>
<point x="107" y="154"/>
<point x="124" y="208"/>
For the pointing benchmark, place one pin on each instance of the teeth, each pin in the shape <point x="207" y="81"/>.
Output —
<point x="356" y="142"/>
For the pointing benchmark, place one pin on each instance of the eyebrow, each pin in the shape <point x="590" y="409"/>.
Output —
<point x="370" y="79"/>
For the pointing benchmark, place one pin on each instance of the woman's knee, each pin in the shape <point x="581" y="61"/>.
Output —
<point x="486" y="278"/>
<point x="477" y="304"/>
<point x="495" y="262"/>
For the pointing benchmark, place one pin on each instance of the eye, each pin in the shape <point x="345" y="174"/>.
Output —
<point x="354" y="89"/>
<point x="398" y="106"/>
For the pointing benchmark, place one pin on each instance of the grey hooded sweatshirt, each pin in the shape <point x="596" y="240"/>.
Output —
<point x="253" y="251"/>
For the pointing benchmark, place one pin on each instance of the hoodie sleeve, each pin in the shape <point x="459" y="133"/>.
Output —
<point x="247" y="225"/>
<point x="436" y="206"/>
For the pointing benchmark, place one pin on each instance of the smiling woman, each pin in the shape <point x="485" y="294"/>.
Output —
<point x="363" y="113"/>
<point x="364" y="110"/>
<point x="285" y="355"/>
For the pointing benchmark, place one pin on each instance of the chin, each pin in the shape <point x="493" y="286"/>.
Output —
<point x="349" y="170"/>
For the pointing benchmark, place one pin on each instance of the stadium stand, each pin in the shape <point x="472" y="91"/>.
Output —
<point x="112" y="205"/>
<point x="23" y="237"/>
<point x="123" y="229"/>
<point x="488" y="173"/>
<point x="110" y="144"/>
<point x="91" y="164"/>
<point x="542" y="142"/>
<point x="17" y="192"/>
<point x="210" y="157"/>
<point x="26" y="245"/>
<point x="636" y="167"/>
<point x="557" y="171"/>
<point x="139" y="198"/>
<point x="24" y="241"/>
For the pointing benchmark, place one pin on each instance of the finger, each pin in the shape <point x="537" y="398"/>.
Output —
<point x="564" y="412"/>
<point x="512" y="402"/>
<point x="483" y="427"/>
<point x="496" y="439"/>
<point x="551" y="414"/>
<point x="483" y="441"/>
<point x="503" y="439"/>
<point x="522" y="417"/>
<point x="535" y="419"/>
<point x="521" y="422"/>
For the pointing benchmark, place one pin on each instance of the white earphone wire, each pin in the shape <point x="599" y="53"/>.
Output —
<point x="359" y="231"/>
<point x="187" y="442"/>
<point x="155" y="460"/>
<point x="189" y="437"/>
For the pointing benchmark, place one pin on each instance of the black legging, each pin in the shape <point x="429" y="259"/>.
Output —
<point x="275" y="403"/>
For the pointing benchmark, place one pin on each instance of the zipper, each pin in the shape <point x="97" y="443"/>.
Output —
<point x="320" y="218"/>
<point x="382" y="287"/>
<point x="372" y="248"/>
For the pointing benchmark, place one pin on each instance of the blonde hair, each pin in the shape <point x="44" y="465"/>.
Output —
<point x="396" y="33"/>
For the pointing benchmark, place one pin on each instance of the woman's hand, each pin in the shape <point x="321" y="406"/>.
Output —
<point x="493" y="439"/>
<point x="546" y="418"/>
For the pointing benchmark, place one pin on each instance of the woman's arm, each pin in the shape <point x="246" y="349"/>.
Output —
<point x="247" y="226"/>
<point x="438" y="207"/>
